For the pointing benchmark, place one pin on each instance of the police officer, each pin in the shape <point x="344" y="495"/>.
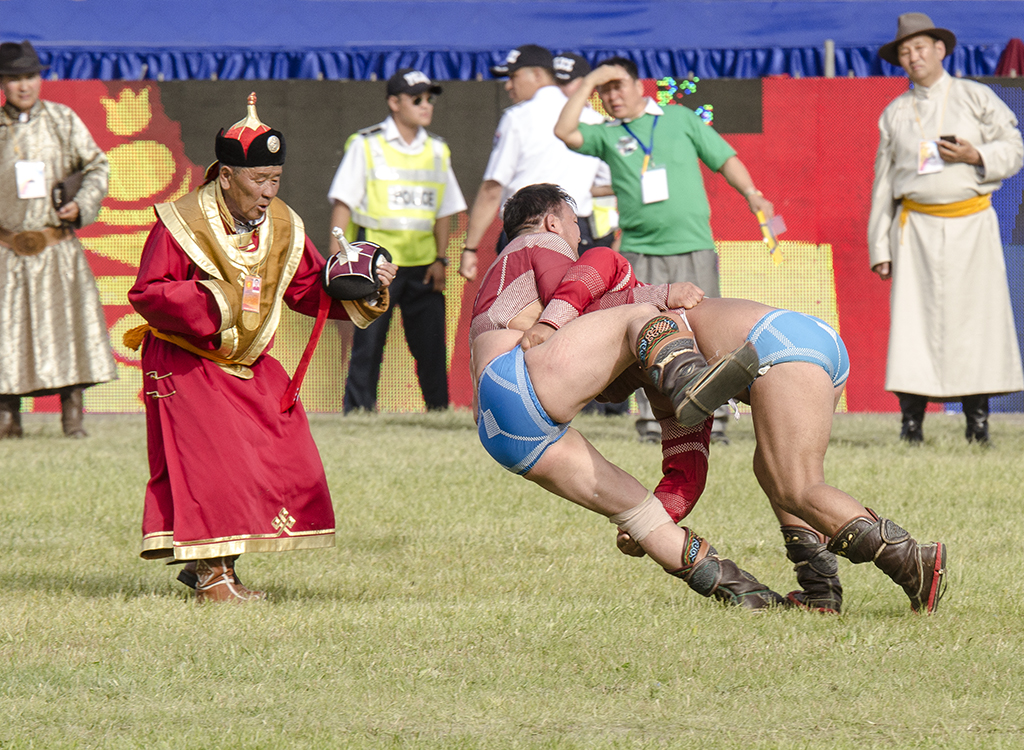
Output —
<point x="569" y="71"/>
<point x="395" y="186"/>
<point x="526" y="151"/>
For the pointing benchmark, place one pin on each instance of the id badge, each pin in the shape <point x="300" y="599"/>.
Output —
<point x="31" y="179"/>
<point x="251" y="302"/>
<point x="928" y="159"/>
<point x="654" y="185"/>
<point x="251" y="294"/>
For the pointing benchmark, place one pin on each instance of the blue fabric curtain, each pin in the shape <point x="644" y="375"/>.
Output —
<point x="227" y="64"/>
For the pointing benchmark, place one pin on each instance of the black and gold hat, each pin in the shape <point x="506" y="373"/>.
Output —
<point x="250" y="143"/>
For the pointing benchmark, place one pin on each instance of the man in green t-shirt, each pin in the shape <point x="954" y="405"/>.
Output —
<point x="653" y="155"/>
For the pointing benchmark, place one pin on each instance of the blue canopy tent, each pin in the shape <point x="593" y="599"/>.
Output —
<point x="461" y="39"/>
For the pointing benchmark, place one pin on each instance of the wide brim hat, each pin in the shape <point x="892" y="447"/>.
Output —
<point x="19" y="59"/>
<point x="911" y="25"/>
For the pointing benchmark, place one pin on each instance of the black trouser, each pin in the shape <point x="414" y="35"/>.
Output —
<point x="975" y="408"/>
<point x="423" y="320"/>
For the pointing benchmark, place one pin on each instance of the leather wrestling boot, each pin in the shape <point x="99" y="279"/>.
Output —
<point x="817" y="571"/>
<point x="10" y="417"/>
<point x="723" y="579"/>
<point x="976" y="412"/>
<point x="912" y="408"/>
<point x="187" y="574"/>
<point x="696" y="394"/>
<point x="71" y="412"/>
<point x="216" y="582"/>
<point x="676" y="367"/>
<point x="918" y="568"/>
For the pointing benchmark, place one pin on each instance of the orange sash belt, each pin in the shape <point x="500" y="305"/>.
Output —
<point x="970" y="206"/>
<point x="134" y="337"/>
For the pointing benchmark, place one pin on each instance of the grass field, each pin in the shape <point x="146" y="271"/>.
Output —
<point x="466" y="608"/>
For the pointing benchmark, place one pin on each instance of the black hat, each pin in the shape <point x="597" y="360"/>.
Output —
<point x="911" y="25"/>
<point x="527" y="56"/>
<point x="570" y="66"/>
<point x="250" y="143"/>
<point x="19" y="59"/>
<point x="412" y="82"/>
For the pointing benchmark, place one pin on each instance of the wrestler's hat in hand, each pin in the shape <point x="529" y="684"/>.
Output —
<point x="352" y="273"/>
<point x="250" y="143"/>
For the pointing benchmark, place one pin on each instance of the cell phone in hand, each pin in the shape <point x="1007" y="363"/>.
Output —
<point x="948" y="139"/>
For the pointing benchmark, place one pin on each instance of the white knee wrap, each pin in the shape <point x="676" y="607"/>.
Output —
<point x="641" y="520"/>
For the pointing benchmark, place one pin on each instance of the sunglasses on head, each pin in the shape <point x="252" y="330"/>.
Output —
<point x="418" y="100"/>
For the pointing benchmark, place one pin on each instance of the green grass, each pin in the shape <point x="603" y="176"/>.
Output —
<point x="463" y="607"/>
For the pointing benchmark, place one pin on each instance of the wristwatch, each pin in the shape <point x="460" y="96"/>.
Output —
<point x="443" y="261"/>
<point x="469" y="249"/>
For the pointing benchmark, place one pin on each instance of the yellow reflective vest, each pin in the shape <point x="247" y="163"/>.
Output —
<point x="403" y="195"/>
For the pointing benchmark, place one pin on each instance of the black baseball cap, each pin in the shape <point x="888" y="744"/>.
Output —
<point x="570" y="66"/>
<point x="527" y="56"/>
<point x="412" y="82"/>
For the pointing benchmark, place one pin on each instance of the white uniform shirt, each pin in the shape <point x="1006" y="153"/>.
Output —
<point x="349" y="184"/>
<point x="526" y="151"/>
<point x="590" y="116"/>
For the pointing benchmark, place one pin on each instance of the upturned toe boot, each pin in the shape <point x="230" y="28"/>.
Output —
<point x="216" y="582"/>
<point x="817" y="571"/>
<point x="918" y="568"/>
<point x="717" y="577"/>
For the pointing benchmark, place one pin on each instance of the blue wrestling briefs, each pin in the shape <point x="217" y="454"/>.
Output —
<point x="787" y="336"/>
<point x="513" y="426"/>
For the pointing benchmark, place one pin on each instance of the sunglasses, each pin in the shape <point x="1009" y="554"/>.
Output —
<point x="418" y="100"/>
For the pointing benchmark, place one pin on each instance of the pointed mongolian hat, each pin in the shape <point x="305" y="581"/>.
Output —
<point x="250" y="143"/>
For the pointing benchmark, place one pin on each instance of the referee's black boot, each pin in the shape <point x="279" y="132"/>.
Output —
<point x="912" y="408"/>
<point x="10" y="417"/>
<point x="976" y="412"/>
<point x="71" y="412"/>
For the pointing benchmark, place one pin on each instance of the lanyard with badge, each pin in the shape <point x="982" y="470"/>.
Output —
<point x="928" y="159"/>
<point x="30" y="176"/>
<point x="653" y="182"/>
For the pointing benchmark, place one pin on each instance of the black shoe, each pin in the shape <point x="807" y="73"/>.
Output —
<point x="976" y="412"/>
<point x="912" y="434"/>
<point x="912" y="408"/>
